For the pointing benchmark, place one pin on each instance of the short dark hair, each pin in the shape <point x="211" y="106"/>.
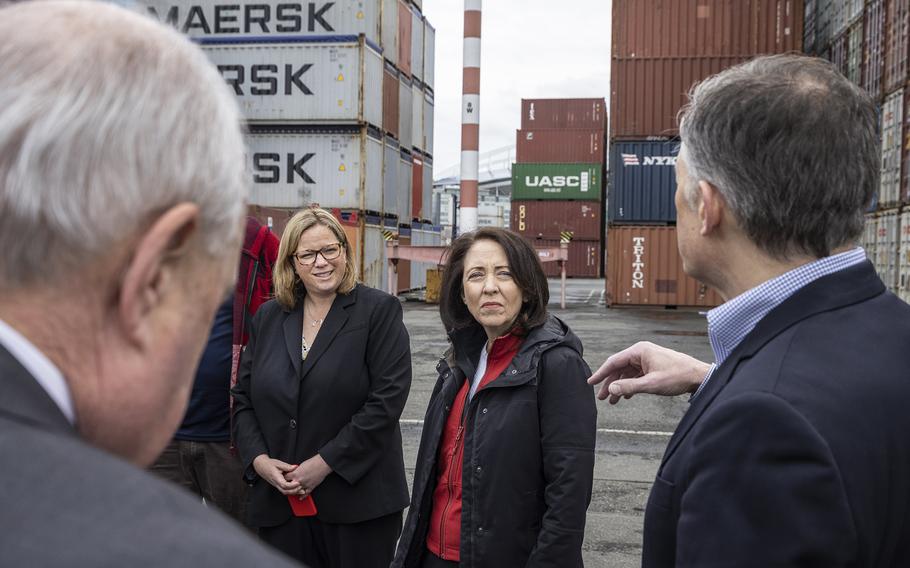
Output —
<point x="526" y="272"/>
<point x="792" y="146"/>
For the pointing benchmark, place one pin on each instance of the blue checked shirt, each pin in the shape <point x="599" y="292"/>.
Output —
<point x="731" y="322"/>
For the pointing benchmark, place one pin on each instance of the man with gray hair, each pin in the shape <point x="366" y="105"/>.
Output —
<point x="121" y="208"/>
<point x="794" y="451"/>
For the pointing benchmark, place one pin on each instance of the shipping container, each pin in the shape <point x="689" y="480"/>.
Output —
<point x="276" y="218"/>
<point x="390" y="30"/>
<point x="644" y="269"/>
<point x="706" y="28"/>
<point x="376" y="232"/>
<point x="417" y="186"/>
<point x="404" y="37"/>
<point x="560" y="146"/>
<point x="839" y="53"/>
<point x="892" y="140"/>
<point x="547" y="219"/>
<point x="809" y="26"/>
<point x="417" y="106"/>
<point x="427" y="199"/>
<point x="874" y="47"/>
<point x="391" y="164"/>
<point x="417" y="30"/>
<point x="855" y="53"/>
<point x="903" y="285"/>
<point x="870" y="236"/>
<point x="428" y="120"/>
<point x="333" y="167"/>
<point x="643" y="182"/>
<point x="585" y="258"/>
<point x="405" y="185"/>
<point x="405" y="112"/>
<point x="887" y="247"/>
<point x="251" y="20"/>
<point x="404" y="266"/>
<point x="311" y="83"/>
<point x="557" y="181"/>
<point x="564" y="113"/>
<point x="904" y="190"/>
<point x="648" y="93"/>
<point x="896" y="44"/>
<point x="391" y="85"/>
<point x="423" y="235"/>
<point x="429" y="54"/>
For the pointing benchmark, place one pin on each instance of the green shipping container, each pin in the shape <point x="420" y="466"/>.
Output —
<point x="557" y="181"/>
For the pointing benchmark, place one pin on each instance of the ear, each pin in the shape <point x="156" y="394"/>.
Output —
<point x="710" y="207"/>
<point x="151" y="269"/>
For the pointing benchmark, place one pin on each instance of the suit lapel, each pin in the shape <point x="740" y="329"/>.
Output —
<point x="334" y="322"/>
<point x="27" y="400"/>
<point x="293" y="335"/>
<point x="845" y="287"/>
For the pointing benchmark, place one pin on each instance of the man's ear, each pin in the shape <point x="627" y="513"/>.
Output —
<point x="150" y="270"/>
<point x="710" y="207"/>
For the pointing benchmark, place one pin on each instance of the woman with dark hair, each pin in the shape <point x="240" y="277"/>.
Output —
<point x="506" y="459"/>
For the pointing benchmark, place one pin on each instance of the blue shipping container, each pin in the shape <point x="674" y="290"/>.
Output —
<point x="642" y="182"/>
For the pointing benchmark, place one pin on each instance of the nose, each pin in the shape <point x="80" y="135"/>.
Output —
<point x="489" y="285"/>
<point x="320" y="260"/>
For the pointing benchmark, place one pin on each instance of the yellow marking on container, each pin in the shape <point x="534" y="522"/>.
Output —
<point x="360" y="15"/>
<point x="342" y="168"/>
<point x="388" y="235"/>
<point x="566" y="236"/>
<point x="340" y="77"/>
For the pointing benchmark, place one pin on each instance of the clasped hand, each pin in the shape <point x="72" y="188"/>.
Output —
<point x="292" y="479"/>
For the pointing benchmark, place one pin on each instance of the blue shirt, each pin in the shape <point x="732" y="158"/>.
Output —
<point x="731" y="322"/>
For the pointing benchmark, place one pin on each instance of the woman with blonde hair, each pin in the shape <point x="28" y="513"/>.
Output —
<point x="322" y="384"/>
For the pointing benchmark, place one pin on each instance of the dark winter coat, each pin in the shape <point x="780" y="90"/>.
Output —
<point x="528" y="458"/>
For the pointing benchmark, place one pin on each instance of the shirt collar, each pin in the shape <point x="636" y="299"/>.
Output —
<point x="731" y="322"/>
<point x="40" y="367"/>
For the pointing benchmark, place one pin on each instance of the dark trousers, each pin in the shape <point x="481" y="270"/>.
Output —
<point x="370" y="544"/>
<point x="430" y="560"/>
<point x="209" y="470"/>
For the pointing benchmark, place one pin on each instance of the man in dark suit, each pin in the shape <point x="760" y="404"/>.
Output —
<point x="121" y="207"/>
<point x="794" y="450"/>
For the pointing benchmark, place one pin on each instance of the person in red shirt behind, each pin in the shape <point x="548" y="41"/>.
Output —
<point x="506" y="458"/>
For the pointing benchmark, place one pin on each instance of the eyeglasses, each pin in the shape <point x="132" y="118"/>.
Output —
<point x="330" y="252"/>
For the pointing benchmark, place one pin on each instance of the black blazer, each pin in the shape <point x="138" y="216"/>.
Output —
<point x="343" y="402"/>
<point x="91" y="508"/>
<point x="796" y="452"/>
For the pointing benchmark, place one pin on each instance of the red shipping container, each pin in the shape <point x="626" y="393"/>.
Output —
<point x="644" y="269"/>
<point x="560" y="146"/>
<point x="564" y="113"/>
<point x="404" y="37"/>
<point x="648" y="93"/>
<point x="874" y="47"/>
<point x="417" y="187"/>
<point x="585" y="258"/>
<point x="390" y="88"/>
<point x="404" y="266"/>
<point x="706" y="28"/>
<point x="897" y="24"/>
<point x="547" y="219"/>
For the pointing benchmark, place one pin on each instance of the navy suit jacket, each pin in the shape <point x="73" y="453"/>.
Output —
<point x="796" y="453"/>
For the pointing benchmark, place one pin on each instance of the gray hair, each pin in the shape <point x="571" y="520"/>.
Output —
<point x="791" y="145"/>
<point x="107" y="118"/>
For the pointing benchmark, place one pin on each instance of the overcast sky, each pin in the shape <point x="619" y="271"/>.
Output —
<point x="529" y="49"/>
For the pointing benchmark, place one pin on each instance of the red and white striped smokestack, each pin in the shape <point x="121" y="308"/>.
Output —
<point x="470" y="115"/>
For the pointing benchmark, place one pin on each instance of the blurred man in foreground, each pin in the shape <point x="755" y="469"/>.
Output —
<point x="121" y="203"/>
<point x="794" y="450"/>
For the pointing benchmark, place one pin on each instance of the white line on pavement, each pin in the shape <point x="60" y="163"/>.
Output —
<point x="413" y="422"/>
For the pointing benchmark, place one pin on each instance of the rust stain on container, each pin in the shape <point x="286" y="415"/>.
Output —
<point x="564" y="113"/>
<point x="390" y="88"/>
<point x="568" y="146"/>
<point x="547" y="219"/>
<point x="706" y="28"/>
<point x="644" y="269"/>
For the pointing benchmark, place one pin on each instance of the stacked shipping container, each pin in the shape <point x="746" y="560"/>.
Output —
<point x="338" y="97"/>
<point x="883" y="56"/>
<point x="558" y="180"/>
<point x="660" y="50"/>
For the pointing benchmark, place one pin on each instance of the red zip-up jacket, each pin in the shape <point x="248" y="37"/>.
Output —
<point x="444" y="535"/>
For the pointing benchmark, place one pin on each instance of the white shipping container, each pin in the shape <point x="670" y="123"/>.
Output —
<point x="428" y="119"/>
<point x="405" y="183"/>
<point x="903" y="284"/>
<point x="375" y="258"/>
<point x="892" y="121"/>
<point x="417" y="103"/>
<point x="331" y="167"/>
<point x="405" y="112"/>
<point x="870" y="236"/>
<point x="429" y="55"/>
<point x="251" y="20"/>
<point x="423" y="235"/>
<point x="390" y="30"/>
<point x="887" y="247"/>
<point x="417" y="29"/>
<point x="303" y="82"/>
<point x="391" y="163"/>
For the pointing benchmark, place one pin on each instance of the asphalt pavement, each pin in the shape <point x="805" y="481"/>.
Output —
<point x="631" y="435"/>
